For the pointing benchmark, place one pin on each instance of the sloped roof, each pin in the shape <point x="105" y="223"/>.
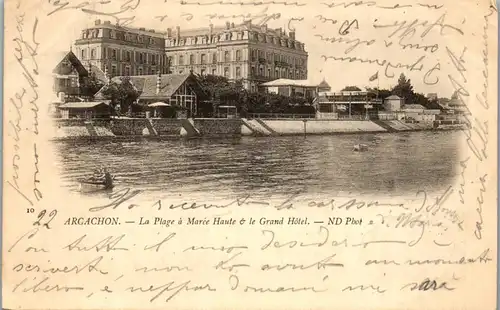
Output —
<point x="146" y="85"/>
<point x="394" y="97"/>
<point x="71" y="58"/>
<point x="454" y="102"/>
<point x="200" y="31"/>
<point x="324" y="84"/>
<point x="288" y="82"/>
<point x="414" y="107"/>
<point x="99" y="74"/>
<point x="81" y="105"/>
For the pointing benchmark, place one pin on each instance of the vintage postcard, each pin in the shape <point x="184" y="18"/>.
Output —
<point x="250" y="154"/>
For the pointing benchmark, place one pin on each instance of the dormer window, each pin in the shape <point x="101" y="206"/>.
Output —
<point x="112" y="34"/>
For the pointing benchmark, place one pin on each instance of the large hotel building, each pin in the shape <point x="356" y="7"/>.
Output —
<point x="252" y="53"/>
<point x="122" y="51"/>
<point x="255" y="54"/>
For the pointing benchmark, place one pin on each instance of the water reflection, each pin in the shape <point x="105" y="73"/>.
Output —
<point x="260" y="166"/>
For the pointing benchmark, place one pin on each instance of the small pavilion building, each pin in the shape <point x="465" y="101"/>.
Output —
<point x="295" y="88"/>
<point x="347" y="105"/>
<point x="180" y="92"/>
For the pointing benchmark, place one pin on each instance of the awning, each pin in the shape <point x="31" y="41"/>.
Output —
<point x="64" y="76"/>
<point x="81" y="105"/>
<point x="159" y="104"/>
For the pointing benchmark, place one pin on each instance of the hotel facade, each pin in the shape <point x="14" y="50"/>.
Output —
<point x="252" y="53"/>
<point x="122" y="50"/>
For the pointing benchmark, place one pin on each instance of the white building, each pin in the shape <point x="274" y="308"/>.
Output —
<point x="299" y="88"/>
<point x="393" y="103"/>
<point x="419" y="113"/>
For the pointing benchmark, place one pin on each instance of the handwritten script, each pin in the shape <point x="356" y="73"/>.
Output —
<point x="132" y="247"/>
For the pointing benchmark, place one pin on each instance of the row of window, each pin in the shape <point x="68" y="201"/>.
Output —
<point x="130" y="56"/>
<point x="256" y="56"/>
<point x="240" y="35"/>
<point x="204" y="58"/>
<point x="127" y="70"/>
<point x="269" y="57"/>
<point x="237" y="74"/>
<point x="147" y="58"/>
<point x="117" y="35"/>
<point x="277" y="73"/>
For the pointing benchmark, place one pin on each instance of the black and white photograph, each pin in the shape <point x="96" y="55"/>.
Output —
<point x="242" y="107"/>
<point x="250" y="154"/>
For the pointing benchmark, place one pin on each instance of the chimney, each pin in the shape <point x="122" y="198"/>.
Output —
<point x="158" y="82"/>
<point x="232" y="25"/>
<point x="178" y="30"/>
<point x="169" y="32"/>
<point x="97" y="22"/>
<point x="263" y="28"/>
<point x="292" y="35"/>
<point x="228" y="25"/>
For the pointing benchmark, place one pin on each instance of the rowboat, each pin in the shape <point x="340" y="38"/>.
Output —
<point x="360" y="147"/>
<point x="92" y="184"/>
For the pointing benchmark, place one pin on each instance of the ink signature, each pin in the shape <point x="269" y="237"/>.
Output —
<point x="25" y="53"/>
<point x="89" y="8"/>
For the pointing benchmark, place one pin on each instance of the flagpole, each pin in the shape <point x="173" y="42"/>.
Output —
<point x="378" y="86"/>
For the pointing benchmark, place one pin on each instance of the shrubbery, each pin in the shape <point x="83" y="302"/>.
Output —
<point x="224" y="92"/>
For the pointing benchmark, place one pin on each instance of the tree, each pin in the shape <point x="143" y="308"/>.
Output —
<point x="91" y="85"/>
<point x="382" y="93"/>
<point x="404" y="89"/>
<point x="223" y="91"/>
<point x="219" y="88"/>
<point x="351" y="88"/>
<point x="121" y="92"/>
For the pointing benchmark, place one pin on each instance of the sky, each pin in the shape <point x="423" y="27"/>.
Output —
<point x="330" y="31"/>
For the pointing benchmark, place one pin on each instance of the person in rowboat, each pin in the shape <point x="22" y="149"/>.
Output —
<point x="102" y="175"/>
<point x="99" y="175"/>
<point x="108" y="178"/>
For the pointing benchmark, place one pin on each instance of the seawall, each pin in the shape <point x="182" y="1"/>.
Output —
<point x="206" y="127"/>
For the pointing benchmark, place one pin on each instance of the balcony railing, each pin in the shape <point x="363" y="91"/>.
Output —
<point x="281" y="116"/>
<point x="259" y="77"/>
<point x="281" y="64"/>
